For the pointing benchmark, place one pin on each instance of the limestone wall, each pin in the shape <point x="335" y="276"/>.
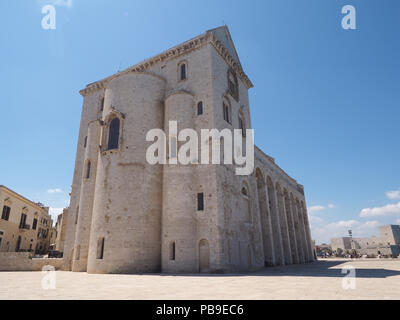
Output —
<point x="22" y="261"/>
<point x="140" y="209"/>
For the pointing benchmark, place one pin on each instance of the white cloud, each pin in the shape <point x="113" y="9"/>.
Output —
<point x="390" y="209"/>
<point x="54" y="212"/>
<point x="320" y="208"/>
<point x="393" y="195"/>
<point x="323" y="231"/>
<point x="57" y="190"/>
<point x="315" y="209"/>
<point x="314" y="219"/>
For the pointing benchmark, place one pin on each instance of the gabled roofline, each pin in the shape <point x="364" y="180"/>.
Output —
<point x="206" y="38"/>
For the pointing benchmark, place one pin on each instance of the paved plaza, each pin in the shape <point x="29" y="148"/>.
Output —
<point x="375" y="279"/>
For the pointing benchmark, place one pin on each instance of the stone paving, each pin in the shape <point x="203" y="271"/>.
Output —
<point x="375" y="279"/>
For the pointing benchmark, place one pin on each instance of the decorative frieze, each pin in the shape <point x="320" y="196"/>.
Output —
<point x="173" y="53"/>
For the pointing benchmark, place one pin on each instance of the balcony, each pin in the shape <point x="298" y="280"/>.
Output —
<point x="25" y="226"/>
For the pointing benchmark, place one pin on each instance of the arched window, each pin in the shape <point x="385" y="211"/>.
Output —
<point x="242" y="125"/>
<point x="88" y="169"/>
<point x="172" y="250"/>
<point x="226" y="109"/>
<point x="200" y="108"/>
<point x="233" y="84"/>
<point x="113" y="134"/>
<point x="182" y="71"/>
<point x="244" y="191"/>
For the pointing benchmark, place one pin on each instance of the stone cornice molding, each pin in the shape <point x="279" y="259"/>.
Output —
<point x="20" y="197"/>
<point x="283" y="174"/>
<point x="230" y="61"/>
<point x="173" y="53"/>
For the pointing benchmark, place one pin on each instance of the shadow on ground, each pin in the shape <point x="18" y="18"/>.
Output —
<point x="314" y="269"/>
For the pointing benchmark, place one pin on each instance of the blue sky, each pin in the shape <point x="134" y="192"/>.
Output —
<point x="325" y="103"/>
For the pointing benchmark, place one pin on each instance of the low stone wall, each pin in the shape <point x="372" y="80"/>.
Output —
<point x="23" y="261"/>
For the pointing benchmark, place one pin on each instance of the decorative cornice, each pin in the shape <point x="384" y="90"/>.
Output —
<point x="173" y="53"/>
<point x="230" y="61"/>
<point x="20" y="197"/>
<point x="278" y="168"/>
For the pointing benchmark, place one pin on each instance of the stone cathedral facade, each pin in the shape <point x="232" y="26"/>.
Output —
<point x="129" y="216"/>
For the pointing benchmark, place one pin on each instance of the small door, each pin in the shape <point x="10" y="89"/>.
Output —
<point x="204" y="256"/>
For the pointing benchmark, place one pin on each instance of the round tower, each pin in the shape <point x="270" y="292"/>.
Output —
<point x="179" y="233"/>
<point x="126" y="224"/>
<point x="83" y="219"/>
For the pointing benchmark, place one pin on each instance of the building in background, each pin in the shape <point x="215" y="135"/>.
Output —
<point x="45" y="232"/>
<point x="387" y="244"/>
<point x="323" y="250"/>
<point x="21" y="223"/>
<point x="61" y="230"/>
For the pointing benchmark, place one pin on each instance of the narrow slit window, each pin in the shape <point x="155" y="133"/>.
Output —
<point x="77" y="215"/>
<point x="200" y="201"/>
<point x="88" y="167"/>
<point x="102" y="104"/>
<point x="200" y="108"/>
<point x="226" y="112"/>
<point x="183" y="71"/>
<point x="242" y="126"/>
<point x="100" y="248"/>
<point x="172" y="251"/>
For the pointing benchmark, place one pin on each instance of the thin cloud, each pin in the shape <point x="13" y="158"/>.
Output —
<point x="323" y="231"/>
<point x="393" y="195"/>
<point x="315" y="209"/>
<point x="57" y="190"/>
<point x="320" y="208"/>
<point x="388" y="210"/>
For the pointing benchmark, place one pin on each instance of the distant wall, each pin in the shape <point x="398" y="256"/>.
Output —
<point x="22" y="261"/>
<point x="343" y="243"/>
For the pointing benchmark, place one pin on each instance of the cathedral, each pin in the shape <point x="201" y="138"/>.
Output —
<point x="129" y="216"/>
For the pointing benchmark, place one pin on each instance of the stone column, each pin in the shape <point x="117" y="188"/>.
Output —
<point x="303" y="232"/>
<point x="284" y="226"/>
<point x="265" y="220"/>
<point x="275" y="223"/>
<point x="308" y="233"/>
<point x="292" y="233"/>
<point x="297" y="227"/>
<point x="86" y="198"/>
